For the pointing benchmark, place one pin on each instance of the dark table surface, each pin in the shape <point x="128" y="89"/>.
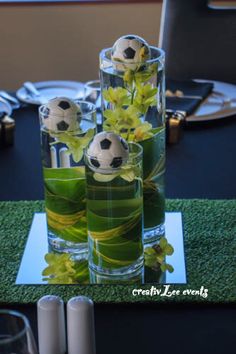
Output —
<point x="202" y="165"/>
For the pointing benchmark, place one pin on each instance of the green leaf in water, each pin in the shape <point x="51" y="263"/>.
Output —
<point x="100" y="177"/>
<point x="127" y="172"/>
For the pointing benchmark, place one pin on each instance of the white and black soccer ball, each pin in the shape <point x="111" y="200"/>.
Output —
<point x="107" y="153"/>
<point x="61" y="114"/>
<point x="130" y="50"/>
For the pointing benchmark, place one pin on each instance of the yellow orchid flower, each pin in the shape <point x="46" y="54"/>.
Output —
<point x="143" y="132"/>
<point x="117" y="96"/>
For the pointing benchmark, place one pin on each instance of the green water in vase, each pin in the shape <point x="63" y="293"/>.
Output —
<point x="64" y="186"/>
<point x="153" y="186"/>
<point x="133" y="106"/>
<point x="65" y="203"/>
<point x="115" y="224"/>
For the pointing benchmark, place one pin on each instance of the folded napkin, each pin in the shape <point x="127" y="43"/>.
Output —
<point x="186" y="96"/>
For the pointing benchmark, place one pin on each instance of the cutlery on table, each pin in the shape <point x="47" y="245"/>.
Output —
<point x="34" y="92"/>
<point x="11" y="99"/>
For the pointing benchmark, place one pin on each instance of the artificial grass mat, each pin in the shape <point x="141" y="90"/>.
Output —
<point x="209" y="232"/>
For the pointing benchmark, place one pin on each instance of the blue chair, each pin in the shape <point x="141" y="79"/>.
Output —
<point x="199" y="40"/>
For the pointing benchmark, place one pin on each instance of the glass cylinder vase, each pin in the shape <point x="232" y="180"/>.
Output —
<point x="115" y="216"/>
<point x="133" y="106"/>
<point x="64" y="180"/>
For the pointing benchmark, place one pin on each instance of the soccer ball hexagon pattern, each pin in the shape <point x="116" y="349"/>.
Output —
<point x="130" y="49"/>
<point x="107" y="152"/>
<point x="61" y="114"/>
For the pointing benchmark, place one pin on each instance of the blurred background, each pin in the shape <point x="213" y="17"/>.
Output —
<point x="62" y="41"/>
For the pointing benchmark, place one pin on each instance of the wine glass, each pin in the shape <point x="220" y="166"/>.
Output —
<point x="16" y="336"/>
<point x="92" y="93"/>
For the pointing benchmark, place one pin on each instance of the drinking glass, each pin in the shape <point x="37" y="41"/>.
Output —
<point x="133" y="106"/>
<point x="64" y="181"/>
<point x="115" y="216"/>
<point x="15" y="334"/>
<point x="92" y="93"/>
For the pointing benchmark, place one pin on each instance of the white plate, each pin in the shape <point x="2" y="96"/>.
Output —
<point x="5" y="107"/>
<point x="219" y="104"/>
<point x="52" y="89"/>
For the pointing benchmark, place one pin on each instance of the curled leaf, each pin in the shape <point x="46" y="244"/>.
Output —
<point x="99" y="177"/>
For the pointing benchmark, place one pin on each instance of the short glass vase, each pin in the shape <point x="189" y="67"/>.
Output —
<point x="64" y="181"/>
<point x="115" y="216"/>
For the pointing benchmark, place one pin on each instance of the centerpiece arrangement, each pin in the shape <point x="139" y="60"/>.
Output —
<point x="104" y="193"/>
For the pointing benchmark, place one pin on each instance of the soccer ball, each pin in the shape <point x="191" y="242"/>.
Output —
<point x="131" y="50"/>
<point x="107" y="152"/>
<point x="61" y="114"/>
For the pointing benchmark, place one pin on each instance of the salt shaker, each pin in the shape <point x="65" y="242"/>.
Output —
<point x="51" y="325"/>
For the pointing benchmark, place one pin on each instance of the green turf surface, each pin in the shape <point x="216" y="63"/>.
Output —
<point x="209" y="229"/>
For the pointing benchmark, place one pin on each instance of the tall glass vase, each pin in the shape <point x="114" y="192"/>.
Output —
<point x="64" y="181"/>
<point x="133" y="106"/>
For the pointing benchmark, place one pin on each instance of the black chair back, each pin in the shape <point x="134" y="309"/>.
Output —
<point x="199" y="41"/>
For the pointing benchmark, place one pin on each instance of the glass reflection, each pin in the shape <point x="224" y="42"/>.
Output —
<point x="65" y="269"/>
<point x="40" y="265"/>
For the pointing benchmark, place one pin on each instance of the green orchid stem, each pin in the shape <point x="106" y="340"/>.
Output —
<point x="132" y="95"/>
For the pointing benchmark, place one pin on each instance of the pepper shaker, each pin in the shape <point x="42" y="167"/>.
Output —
<point x="80" y="326"/>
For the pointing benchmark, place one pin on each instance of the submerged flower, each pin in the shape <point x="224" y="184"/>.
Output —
<point x="129" y="76"/>
<point x="143" y="54"/>
<point x="129" y="118"/>
<point x="155" y="256"/>
<point x="145" y="97"/>
<point x="121" y="120"/>
<point x="75" y="144"/>
<point x="143" y="131"/>
<point x="146" y="73"/>
<point x="62" y="269"/>
<point x="117" y="96"/>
